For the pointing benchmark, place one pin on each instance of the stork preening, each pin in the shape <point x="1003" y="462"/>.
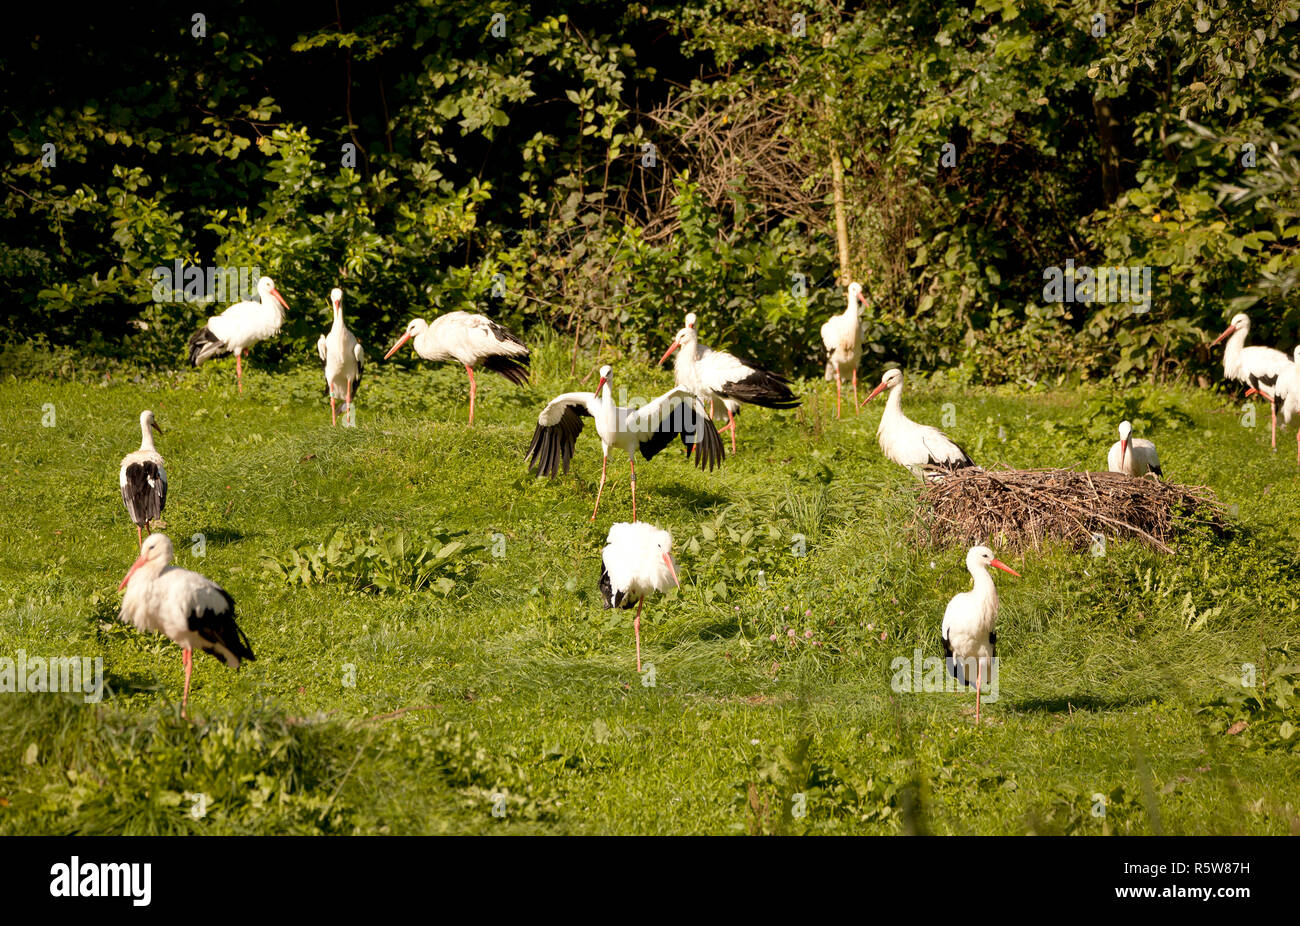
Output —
<point x="715" y="375"/>
<point x="970" y="621"/>
<point x="241" y="326"/>
<point x="143" y="479"/>
<point x="909" y="444"/>
<point x="649" y="429"/>
<point x="342" y="358"/>
<point x="1133" y="456"/>
<point x="1263" y="369"/>
<point x="472" y="341"/>
<point x="842" y="335"/>
<point x="189" y="609"/>
<point x="637" y="560"/>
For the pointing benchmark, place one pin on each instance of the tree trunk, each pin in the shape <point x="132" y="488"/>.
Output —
<point x="1108" y="147"/>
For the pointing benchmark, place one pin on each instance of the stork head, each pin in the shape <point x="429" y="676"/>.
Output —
<point x="266" y="287"/>
<point x="891" y="380"/>
<point x="1240" y="322"/>
<point x="156" y="553"/>
<point x="416" y="328"/>
<point x="336" y="298"/>
<point x="1125" y="432"/>
<point x="686" y="337"/>
<point x="855" y="295"/>
<point x="147" y="421"/>
<point x="983" y="558"/>
<point x="605" y="373"/>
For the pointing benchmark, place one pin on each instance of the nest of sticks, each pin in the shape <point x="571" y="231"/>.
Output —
<point x="1026" y="508"/>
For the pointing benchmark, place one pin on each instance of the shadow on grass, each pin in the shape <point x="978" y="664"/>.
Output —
<point x="1081" y="702"/>
<point x="222" y="535"/>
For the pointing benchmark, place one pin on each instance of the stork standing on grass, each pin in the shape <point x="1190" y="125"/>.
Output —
<point x="648" y="429"/>
<point x="189" y="609"/>
<point x="1133" y="456"/>
<point x="342" y="358"/>
<point x="907" y="443"/>
<point x="143" y="479"/>
<point x="969" y="622"/>
<point x="718" y="375"/>
<point x="1263" y="369"/>
<point x="472" y="341"/>
<point x="241" y="326"/>
<point x="636" y="561"/>
<point x="842" y="335"/>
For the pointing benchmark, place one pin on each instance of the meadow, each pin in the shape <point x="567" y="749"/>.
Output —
<point x="433" y="656"/>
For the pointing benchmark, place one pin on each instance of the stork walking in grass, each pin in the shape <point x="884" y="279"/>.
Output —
<point x="842" y="335"/>
<point x="909" y="444"/>
<point x="189" y="609"/>
<point x="472" y="341"/>
<point x="647" y="429"/>
<point x="1133" y="456"/>
<point x="342" y="358"/>
<point x="143" y="479"/>
<point x="241" y="326"/>
<point x="970" y="620"/>
<point x="716" y="375"/>
<point x="1263" y="369"/>
<point x="637" y="561"/>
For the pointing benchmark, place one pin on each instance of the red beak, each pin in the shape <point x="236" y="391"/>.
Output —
<point x="672" y="567"/>
<point x="400" y="341"/>
<point x="668" y="353"/>
<point x="863" y="300"/>
<point x="1123" y="449"/>
<point x="1231" y="329"/>
<point x="156" y="426"/>
<point x="600" y="385"/>
<point x="998" y="564"/>
<point x="130" y="572"/>
<point x="279" y="298"/>
<point x="874" y="392"/>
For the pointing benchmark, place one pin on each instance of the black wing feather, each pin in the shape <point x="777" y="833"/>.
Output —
<point x="144" y="502"/>
<point x="512" y="367"/>
<point x="764" y="388"/>
<point x="552" y="446"/>
<point x="697" y="431"/>
<point x="219" y="627"/>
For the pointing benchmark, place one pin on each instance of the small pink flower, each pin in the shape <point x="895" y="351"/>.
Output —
<point x="817" y="642"/>
<point x="808" y="613"/>
<point x="884" y="634"/>
<point x="871" y="626"/>
<point x="790" y="632"/>
<point x="807" y="634"/>
<point x="772" y="638"/>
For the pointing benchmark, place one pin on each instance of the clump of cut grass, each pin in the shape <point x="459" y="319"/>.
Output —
<point x="1026" y="508"/>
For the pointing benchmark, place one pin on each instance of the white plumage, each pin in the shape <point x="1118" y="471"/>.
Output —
<point x="1133" y="456"/>
<point x="969" y="622"/>
<point x="716" y="375"/>
<point x="909" y="444"/>
<point x="143" y="479"/>
<point x="240" y="327"/>
<point x="842" y="336"/>
<point x="648" y="429"/>
<point x="189" y="609"/>
<point x="472" y="341"/>
<point x="342" y="358"/>
<point x="637" y="561"/>
<point x="1263" y="369"/>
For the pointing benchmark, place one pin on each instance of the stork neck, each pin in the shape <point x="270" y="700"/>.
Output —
<point x="894" y="404"/>
<point x="146" y="437"/>
<point x="337" y="327"/>
<point x="983" y="581"/>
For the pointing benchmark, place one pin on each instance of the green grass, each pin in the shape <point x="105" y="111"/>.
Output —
<point x="511" y="703"/>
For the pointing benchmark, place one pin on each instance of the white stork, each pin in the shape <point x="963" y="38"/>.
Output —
<point x="240" y="327"/>
<point x="1290" y="389"/>
<point x="1263" y="369"/>
<point x="143" y="479"/>
<point x="717" y="375"/>
<point x="342" y="358"/>
<point x="842" y="335"/>
<point x="907" y="443"/>
<point x="648" y="429"/>
<point x="189" y="609"/>
<point x="969" y="622"/>
<point x="470" y="340"/>
<point x="1133" y="456"/>
<point x="636" y="561"/>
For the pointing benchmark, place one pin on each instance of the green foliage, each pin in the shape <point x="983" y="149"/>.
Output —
<point x="387" y="561"/>
<point x="1264" y="715"/>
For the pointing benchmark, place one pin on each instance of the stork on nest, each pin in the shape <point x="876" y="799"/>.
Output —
<point x="1026" y="508"/>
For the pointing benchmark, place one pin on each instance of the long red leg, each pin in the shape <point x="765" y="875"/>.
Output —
<point x="838" y="387"/>
<point x="1272" y="410"/>
<point x="631" y="460"/>
<point x="731" y="424"/>
<point x="636" y="628"/>
<point x="979" y="676"/>
<point x="189" y="668"/>
<point x="473" y="390"/>
<point x="239" y="371"/>
<point x="855" y="391"/>
<point x="334" y="418"/>
<point x="601" y="488"/>
<point x="139" y="537"/>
